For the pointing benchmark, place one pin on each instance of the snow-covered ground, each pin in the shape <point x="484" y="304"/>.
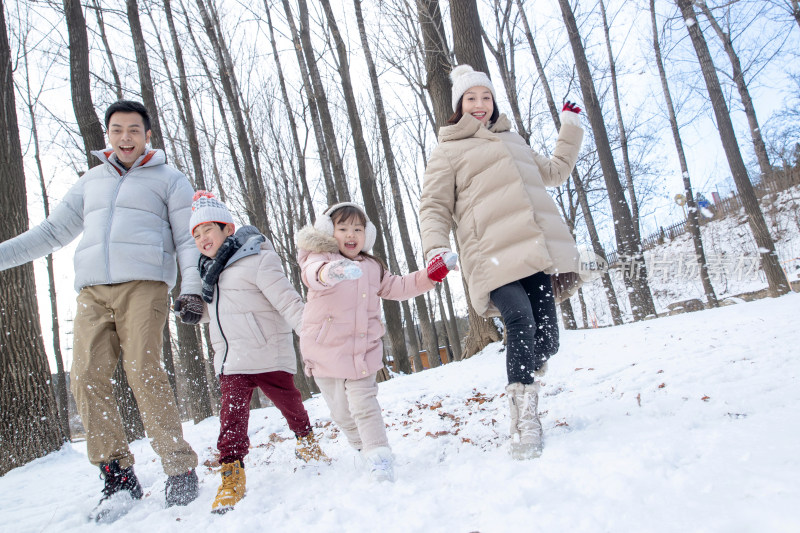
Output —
<point x="685" y="423"/>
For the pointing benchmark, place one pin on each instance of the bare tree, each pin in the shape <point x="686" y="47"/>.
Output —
<point x="503" y="52"/>
<point x="692" y="219"/>
<point x="623" y="136"/>
<point x="467" y="29"/>
<point x="88" y="123"/>
<point x="319" y="134"/>
<point x="437" y="60"/>
<point x="185" y="104"/>
<point x="776" y="279"/>
<point x="588" y="217"/>
<point x="437" y="64"/>
<point x="634" y="272"/>
<point x="391" y="169"/>
<point x="29" y="421"/>
<point x="340" y="180"/>
<point x="744" y="92"/>
<point x="93" y="139"/>
<point x="301" y="162"/>
<point x="145" y="80"/>
<point x="98" y="11"/>
<point x="369" y="191"/>
<point x="31" y="102"/>
<point x="253" y="192"/>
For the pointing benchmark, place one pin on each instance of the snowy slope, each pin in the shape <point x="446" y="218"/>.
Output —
<point x="685" y="423"/>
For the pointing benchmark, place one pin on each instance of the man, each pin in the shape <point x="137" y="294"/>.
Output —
<point x="133" y="211"/>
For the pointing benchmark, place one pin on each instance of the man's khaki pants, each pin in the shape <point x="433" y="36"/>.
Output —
<point x="128" y="318"/>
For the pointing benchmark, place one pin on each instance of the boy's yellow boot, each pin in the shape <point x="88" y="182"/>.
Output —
<point x="308" y="449"/>
<point x="232" y="488"/>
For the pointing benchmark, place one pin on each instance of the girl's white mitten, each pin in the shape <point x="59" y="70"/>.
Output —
<point x="340" y="270"/>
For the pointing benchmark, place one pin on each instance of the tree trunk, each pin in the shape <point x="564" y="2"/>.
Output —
<point x="186" y="102"/>
<point x="623" y="136"/>
<point x="169" y="362"/>
<point x="61" y="380"/>
<point x="776" y="280"/>
<point x="111" y="64"/>
<point x="692" y="219"/>
<point x="29" y="420"/>
<point x="467" y="44"/>
<point x="796" y="11"/>
<point x="503" y="53"/>
<point x="254" y="194"/>
<point x="481" y="333"/>
<point x="191" y="356"/>
<point x="456" y="338"/>
<point x="437" y="60"/>
<point x="145" y="81"/>
<point x="584" y="314"/>
<point x="319" y="135"/>
<point x="744" y="94"/>
<point x="437" y="65"/>
<point x="80" y="86"/>
<point x="300" y="378"/>
<point x="568" y="315"/>
<point x="339" y="178"/>
<point x="428" y="331"/>
<point x="301" y="160"/>
<point x="576" y="179"/>
<point x="634" y="271"/>
<point x="211" y="375"/>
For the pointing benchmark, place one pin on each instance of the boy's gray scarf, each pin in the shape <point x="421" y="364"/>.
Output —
<point x="210" y="269"/>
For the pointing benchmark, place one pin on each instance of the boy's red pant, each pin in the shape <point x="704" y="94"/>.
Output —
<point x="237" y="389"/>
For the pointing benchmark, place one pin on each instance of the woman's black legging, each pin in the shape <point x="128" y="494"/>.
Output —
<point x="529" y="312"/>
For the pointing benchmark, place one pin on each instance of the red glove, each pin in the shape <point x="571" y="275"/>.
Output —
<point x="570" y="106"/>
<point x="440" y="265"/>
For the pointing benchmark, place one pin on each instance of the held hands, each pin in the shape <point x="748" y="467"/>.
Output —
<point x="340" y="270"/>
<point x="189" y="307"/>
<point x="440" y="264"/>
<point x="571" y="106"/>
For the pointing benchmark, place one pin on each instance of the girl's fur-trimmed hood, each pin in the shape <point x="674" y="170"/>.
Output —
<point x="313" y="240"/>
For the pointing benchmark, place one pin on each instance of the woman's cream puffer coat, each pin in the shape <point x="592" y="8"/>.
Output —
<point x="493" y="186"/>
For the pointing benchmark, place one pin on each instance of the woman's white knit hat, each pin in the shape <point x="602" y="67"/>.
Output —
<point x="464" y="78"/>
<point x="206" y="208"/>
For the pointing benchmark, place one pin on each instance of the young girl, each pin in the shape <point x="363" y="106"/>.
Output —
<point x="515" y="246"/>
<point x="341" y="336"/>
<point x="252" y="309"/>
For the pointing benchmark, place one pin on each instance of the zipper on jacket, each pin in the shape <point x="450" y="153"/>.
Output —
<point x="224" y="338"/>
<point x="108" y="226"/>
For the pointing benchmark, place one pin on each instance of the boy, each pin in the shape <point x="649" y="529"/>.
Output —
<point x="252" y="309"/>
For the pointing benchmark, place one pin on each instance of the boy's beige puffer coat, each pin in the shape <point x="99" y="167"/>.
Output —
<point x="493" y="186"/>
<point x="254" y="310"/>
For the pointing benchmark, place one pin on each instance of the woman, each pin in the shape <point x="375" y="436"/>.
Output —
<point x="514" y="246"/>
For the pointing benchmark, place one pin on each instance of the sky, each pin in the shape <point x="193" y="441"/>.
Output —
<point x="683" y="423"/>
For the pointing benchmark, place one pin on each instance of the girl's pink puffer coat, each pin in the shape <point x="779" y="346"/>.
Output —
<point x="342" y="329"/>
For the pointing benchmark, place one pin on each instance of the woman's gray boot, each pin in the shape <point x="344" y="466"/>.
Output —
<point x="526" y="428"/>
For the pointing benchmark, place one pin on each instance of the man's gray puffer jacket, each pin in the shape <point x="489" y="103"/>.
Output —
<point x="133" y="223"/>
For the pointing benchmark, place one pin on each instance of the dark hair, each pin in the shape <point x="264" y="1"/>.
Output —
<point x="347" y="213"/>
<point x="455" y="117"/>
<point x="128" y="106"/>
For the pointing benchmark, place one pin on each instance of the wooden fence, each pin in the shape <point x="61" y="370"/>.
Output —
<point x="732" y="205"/>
